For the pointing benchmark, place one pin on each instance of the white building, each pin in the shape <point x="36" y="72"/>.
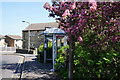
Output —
<point x="2" y="41"/>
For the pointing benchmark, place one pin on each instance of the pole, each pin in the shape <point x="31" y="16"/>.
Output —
<point x="54" y="50"/>
<point x="45" y="46"/>
<point x="28" y="41"/>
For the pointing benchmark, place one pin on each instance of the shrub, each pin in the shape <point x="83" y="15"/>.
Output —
<point x="61" y="61"/>
<point x="41" y="51"/>
<point x="88" y="64"/>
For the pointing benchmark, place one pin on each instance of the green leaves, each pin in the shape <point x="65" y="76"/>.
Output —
<point x="99" y="63"/>
<point x="63" y="49"/>
<point x="61" y="57"/>
<point x="89" y="64"/>
<point x="41" y="48"/>
<point x="106" y="60"/>
<point x="76" y="62"/>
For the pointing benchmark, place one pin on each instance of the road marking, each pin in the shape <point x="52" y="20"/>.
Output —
<point x="18" y="65"/>
<point x="21" y="60"/>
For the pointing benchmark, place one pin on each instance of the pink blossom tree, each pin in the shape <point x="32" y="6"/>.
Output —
<point x="79" y="19"/>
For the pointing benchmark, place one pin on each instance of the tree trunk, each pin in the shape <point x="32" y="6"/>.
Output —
<point x="70" y="62"/>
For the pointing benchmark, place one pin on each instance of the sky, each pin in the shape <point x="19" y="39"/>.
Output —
<point x="13" y="13"/>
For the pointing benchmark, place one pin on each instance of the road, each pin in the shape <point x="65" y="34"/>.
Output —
<point x="9" y="64"/>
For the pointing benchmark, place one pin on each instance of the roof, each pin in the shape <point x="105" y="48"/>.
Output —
<point x="14" y="36"/>
<point x="54" y="31"/>
<point x="41" y="26"/>
<point x="2" y="36"/>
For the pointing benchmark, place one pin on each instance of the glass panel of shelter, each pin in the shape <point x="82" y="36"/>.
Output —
<point x="60" y="41"/>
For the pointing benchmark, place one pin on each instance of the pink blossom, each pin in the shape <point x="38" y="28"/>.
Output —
<point x="111" y="1"/>
<point x="77" y="28"/>
<point x="66" y="13"/>
<point x="47" y="6"/>
<point x="74" y="5"/>
<point x="116" y="38"/>
<point x="112" y="20"/>
<point x="68" y="30"/>
<point x="62" y="27"/>
<point x="80" y="39"/>
<point x="62" y="2"/>
<point x="94" y="5"/>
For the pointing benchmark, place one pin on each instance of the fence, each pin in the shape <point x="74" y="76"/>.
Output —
<point x="7" y="49"/>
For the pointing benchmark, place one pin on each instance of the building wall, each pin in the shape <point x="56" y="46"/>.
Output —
<point x="2" y="42"/>
<point x="10" y="42"/>
<point x="18" y="43"/>
<point x="25" y="40"/>
<point x="35" y="39"/>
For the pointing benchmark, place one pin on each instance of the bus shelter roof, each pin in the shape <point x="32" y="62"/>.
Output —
<point x="53" y="31"/>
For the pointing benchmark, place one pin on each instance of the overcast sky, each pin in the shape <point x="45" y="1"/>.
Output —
<point x="13" y="13"/>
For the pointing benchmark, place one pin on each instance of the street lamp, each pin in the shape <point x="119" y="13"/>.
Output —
<point x="28" y="36"/>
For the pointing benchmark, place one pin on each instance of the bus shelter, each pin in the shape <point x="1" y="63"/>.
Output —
<point x="53" y="33"/>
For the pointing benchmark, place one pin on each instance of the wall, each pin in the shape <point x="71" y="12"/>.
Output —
<point x="24" y="51"/>
<point x="35" y="39"/>
<point x="10" y="42"/>
<point x="25" y="40"/>
<point x="18" y="43"/>
<point x="7" y="49"/>
<point x="2" y="42"/>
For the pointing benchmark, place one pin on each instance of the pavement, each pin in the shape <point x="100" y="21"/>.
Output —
<point x="35" y="70"/>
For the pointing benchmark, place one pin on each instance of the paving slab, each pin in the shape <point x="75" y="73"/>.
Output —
<point x="37" y="71"/>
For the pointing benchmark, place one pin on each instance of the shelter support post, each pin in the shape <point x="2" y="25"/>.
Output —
<point x="65" y="40"/>
<point x="54" y="53"/>
<point x="45" y="46"/>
